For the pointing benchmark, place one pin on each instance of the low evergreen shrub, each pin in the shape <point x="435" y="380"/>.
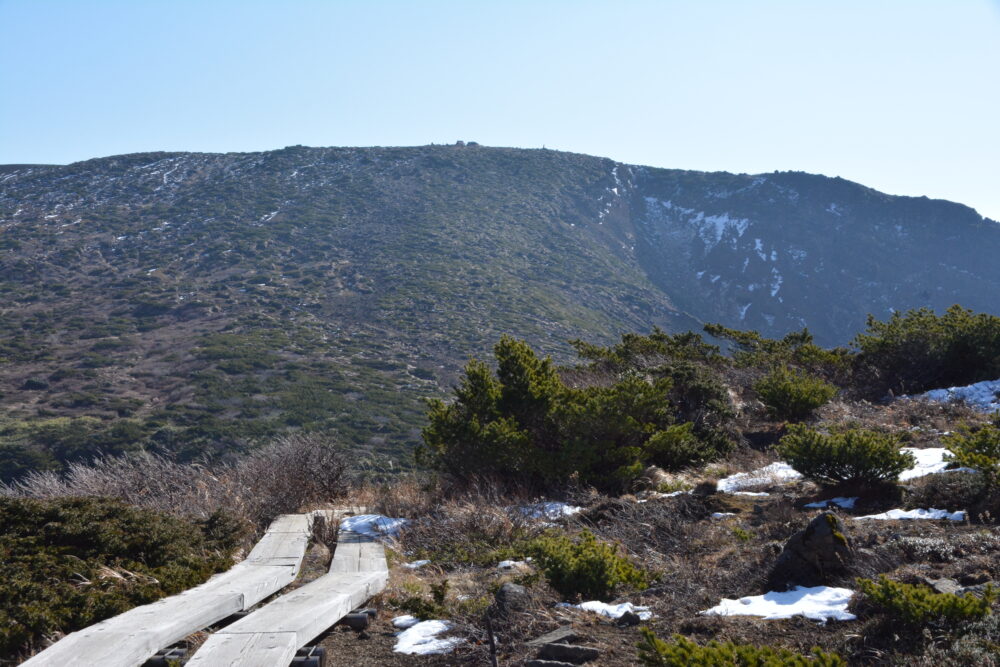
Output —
<point x="979" y="450"/>
<point x="69" y="563"/>
<point x="793" y="395"/>
<point x="682" y="652"/>
<point x="917" y="606"/>
<point x="586" y="568"/>
<point x="853" y="457"/>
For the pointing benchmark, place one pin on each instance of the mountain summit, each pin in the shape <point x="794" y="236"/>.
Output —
<point x="205" y="295"/>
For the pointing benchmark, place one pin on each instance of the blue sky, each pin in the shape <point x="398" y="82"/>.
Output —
<point x="903" y="96"/>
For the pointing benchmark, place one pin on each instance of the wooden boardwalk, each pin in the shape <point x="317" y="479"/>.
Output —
<point x="129" y="639"/>
<point x="271" y="635"/>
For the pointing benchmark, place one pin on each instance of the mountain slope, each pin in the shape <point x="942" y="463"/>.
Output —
<point x="194" y="302"/>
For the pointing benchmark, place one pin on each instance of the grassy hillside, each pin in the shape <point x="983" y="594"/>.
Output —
<point x="198" y="303"/>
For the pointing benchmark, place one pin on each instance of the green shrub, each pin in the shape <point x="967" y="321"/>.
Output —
<point x="852" y="457"/>
<point x="524" y="424"/>
<point x="917" y="606"/>
<point x="586" y="568"/>
<point x="69" y="563"/>
<point x="979" y="450"/>
<point x="793" y="395"/>
<point x="919" y="350"/>
<point x="752" y="350"/>
<point x="682" y="652"/>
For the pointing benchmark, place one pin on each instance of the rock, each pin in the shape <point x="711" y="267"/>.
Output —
<point x="568" y="653"/>
<point x="813" y="554"/>
<point x="943" y="585"/>
<point x="511" y="597"/>
<point x="563" y="635"/>
<point x="629" y="618"/>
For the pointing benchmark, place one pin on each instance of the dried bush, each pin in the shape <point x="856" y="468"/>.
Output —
<point x="473" y="531"/>
<point x="275" y="479"/>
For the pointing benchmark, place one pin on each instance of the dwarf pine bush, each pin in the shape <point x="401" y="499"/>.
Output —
<point x="917" y="606"/>
<point x="71" y="562"/>
<point x="793" y="395"/>
<point x="587" y="568"/>
<point x="681" y="652"/>
<point x="854" y="457"/>
<point x="979" y="450"/>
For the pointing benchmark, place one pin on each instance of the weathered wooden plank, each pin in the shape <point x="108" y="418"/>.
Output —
<point x="130" y="638"/>
<point x="258" y="649"/>
<point x="357" y="571"/>
<point x="291" y="523"/>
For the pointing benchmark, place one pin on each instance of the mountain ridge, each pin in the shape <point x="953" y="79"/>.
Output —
<point x="221" y="298"/>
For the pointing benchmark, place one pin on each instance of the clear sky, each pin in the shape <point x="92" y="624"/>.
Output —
<point x="901" y="95"/>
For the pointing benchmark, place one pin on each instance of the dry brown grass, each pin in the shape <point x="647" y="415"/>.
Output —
<point x="276" y="479"/>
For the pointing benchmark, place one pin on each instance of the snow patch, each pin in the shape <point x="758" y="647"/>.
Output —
<point x="776" y="281"/>
<point x="549" y="510"/>
<point x="983" y="396"/>
<point x="374" y="525"/>
<point x="929" y="460"/>
<point x="776" y="473"/>
<point x="611" y="610"/>
<point x="422" y="639"/>
<point x="820" y="603"/>
<point x="743" y="310"/>
<point x="899" y="515"/>
<point x="416" y="565"/>
<point x="404" y="622"/>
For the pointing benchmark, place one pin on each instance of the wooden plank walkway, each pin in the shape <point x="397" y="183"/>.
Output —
<point x="129" y="639"/>
<point x="271" y="635"/>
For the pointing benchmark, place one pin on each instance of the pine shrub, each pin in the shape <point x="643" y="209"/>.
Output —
<point x="917" y="606"/>
<point x="979" y="450"/>
<point x="72" y="562"/>
<point x="682" y="652"/>
<point x="856" y="456"/>
<point x="587" y="568"/>
<point x="793" y="395"/>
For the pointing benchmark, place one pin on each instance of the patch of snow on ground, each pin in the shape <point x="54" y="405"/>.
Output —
<point x="776" y="281"/>
<point x="983" y="396"/>
<point x="929" y="460"/>
<point x="417" y="564"/>
<point x="839" y="501"/>
<point x="751" y="493"/>
<point x="404" y="622"/>
<point x="512" y="564"/>
<point x="549" y="510"/>
<point x="743" y="310"/>
<point x="820" y="603"/>
<point x="421" y="639"/>
<point x="611" y="610"/>
<point x="897" y="515"/>
<point x="776" y="473"/>
<point x="721" y="515"/>
<point x="375" y="525"/>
